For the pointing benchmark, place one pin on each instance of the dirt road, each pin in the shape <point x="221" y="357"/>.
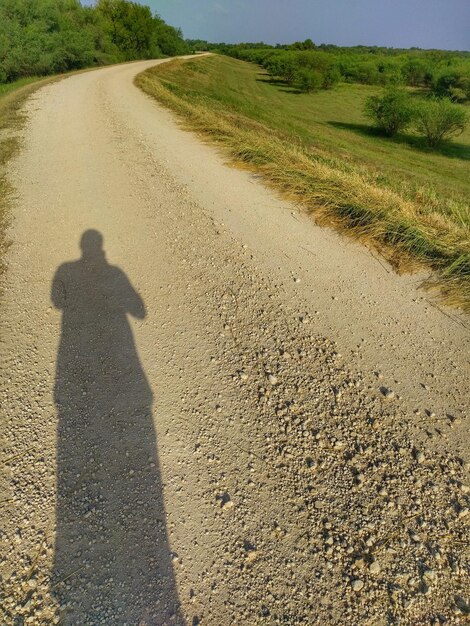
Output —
<point x="214" y="412"/>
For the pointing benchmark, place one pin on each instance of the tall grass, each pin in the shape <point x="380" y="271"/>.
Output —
<point x="410" y="231"/>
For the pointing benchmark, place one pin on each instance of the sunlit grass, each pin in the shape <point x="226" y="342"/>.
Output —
<point x="394" y="194"/>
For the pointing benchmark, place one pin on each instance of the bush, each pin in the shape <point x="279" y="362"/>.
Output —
<point x="284" y="66"/>
<point x="415" y="71"/>
<point x="392" y="112"/>
<point x="330" y="77"/>
<point x="440" y="119"/>
<point x="456" y="94"/>
<point x="367" y="73"/>
<point x="453" y="84"/>
<point x="308" y="80"/>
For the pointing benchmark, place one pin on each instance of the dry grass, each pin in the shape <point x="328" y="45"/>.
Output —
<point x="408" y="232"/>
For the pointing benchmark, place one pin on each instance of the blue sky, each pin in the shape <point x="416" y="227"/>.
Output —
<point x="398" y="23"/>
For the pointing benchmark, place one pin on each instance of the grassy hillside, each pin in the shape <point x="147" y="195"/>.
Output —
<point x="409" y="202"/>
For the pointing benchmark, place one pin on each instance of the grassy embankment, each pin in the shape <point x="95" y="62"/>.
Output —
<point x="396" y="195"/>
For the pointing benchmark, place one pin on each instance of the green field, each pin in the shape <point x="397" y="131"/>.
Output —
<point x="412" y="203"/>
<point x="330" y="120"/>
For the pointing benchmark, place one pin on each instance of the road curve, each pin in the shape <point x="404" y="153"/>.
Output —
<point x="214" y="411"/>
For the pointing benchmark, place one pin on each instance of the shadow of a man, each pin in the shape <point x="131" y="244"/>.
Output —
<point x="112" y="561"/>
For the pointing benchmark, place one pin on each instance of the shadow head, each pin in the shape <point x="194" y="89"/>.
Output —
<point x="91" y="244"/>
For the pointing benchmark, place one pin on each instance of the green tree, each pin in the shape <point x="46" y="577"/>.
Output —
<point x="439" y="119"/>
<point x="47" y="36"/>
<point x="169" y="39"/>
<point x="453" y="83"/>
<point x="308" y="80"/>
<point x="367" y="73"/>
<point x="415" y="70"/>
<point x="392" y="112"/>
<point x="130" y="27"/>
<point x="284" y="65"/>
<point x="331" y="76"/>
<point x="303" y="45"/>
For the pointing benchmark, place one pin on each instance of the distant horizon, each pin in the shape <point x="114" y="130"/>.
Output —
<point x="325" y="43"/>
<point x="424" y="24"/>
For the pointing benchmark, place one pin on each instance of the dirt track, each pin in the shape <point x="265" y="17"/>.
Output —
<point x="221" y="414"/>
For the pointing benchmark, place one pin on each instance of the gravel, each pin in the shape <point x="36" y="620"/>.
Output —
<point x="280" y="487"/>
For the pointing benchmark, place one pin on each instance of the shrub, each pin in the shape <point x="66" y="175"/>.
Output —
<point x="392" y="112"/>
<point x="330" y="77"/>
<point x="453" y="84"/>
<point x="283" y="65"/>
<point x="415" y="70"/>
<point x="456" y="94"/>
<point x="440" y="119"/>
<point x="308" y="80"/>
<point x="367" y="73"/>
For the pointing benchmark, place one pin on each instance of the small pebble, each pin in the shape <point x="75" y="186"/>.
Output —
<point x="429" y="575"/>
<point x="419" y="456"/>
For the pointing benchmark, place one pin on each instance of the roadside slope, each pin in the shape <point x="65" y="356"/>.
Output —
<point x="268" y="474"/>
<point x="383" y="193"/>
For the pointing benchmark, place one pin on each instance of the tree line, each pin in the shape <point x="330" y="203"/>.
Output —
<point x="440" y="78"/>
<point x="309" y="67"/>
<point x="40" y="37"/>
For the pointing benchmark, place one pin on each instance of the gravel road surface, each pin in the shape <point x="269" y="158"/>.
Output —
<point x="213" y="411"/>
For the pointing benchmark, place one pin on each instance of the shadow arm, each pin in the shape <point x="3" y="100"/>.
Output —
<point x="136" y="306"/>
<point x="133" y="303"/>
<point x="58" y="292"/>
